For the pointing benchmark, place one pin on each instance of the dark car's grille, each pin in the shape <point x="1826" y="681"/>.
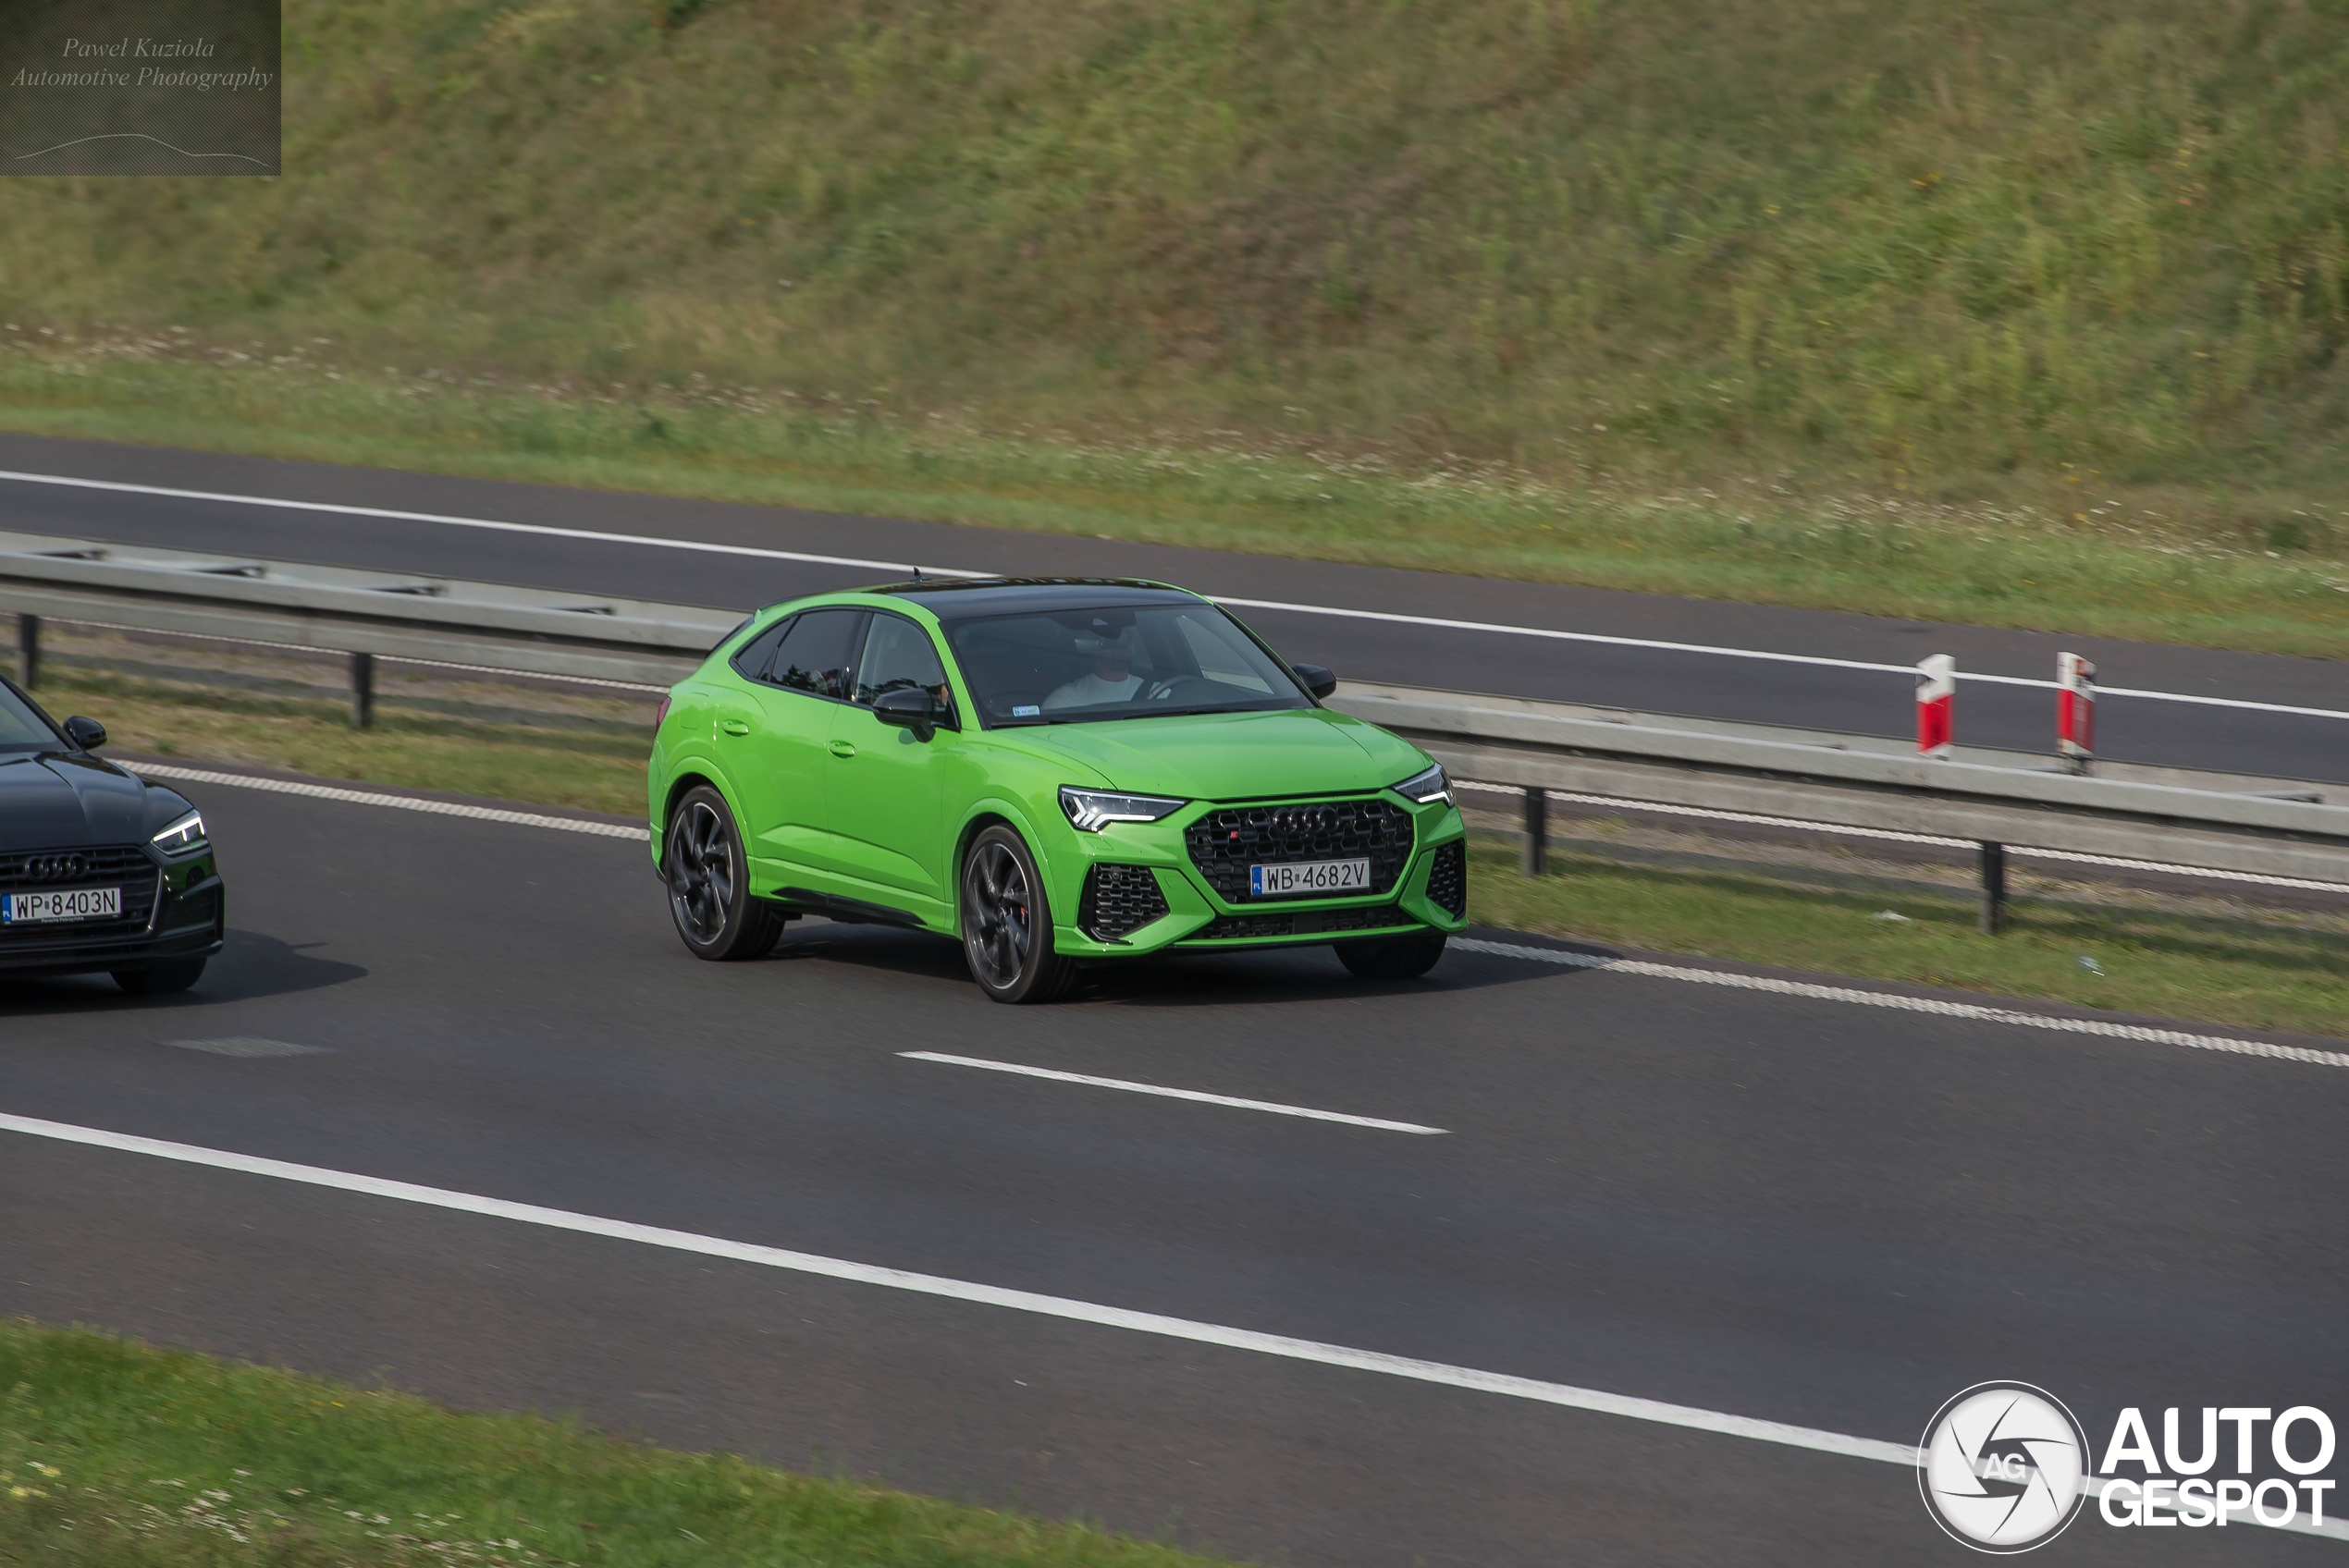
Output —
<point x="1224" y="844"/>
<point x="1118" y="901"/>
<point x="112" y="865"/>
<point x="1304" y="922"/>
<point x="1447" y="880"/>
<point x="31" y="871"/>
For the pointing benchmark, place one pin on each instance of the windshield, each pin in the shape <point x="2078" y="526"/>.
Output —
<point x="20" y="728"/>
<point x="1130" y="661"/>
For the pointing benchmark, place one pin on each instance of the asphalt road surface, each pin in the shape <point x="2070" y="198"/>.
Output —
<point x="1772" y="1207"/>
<point x="1450" y="659"/>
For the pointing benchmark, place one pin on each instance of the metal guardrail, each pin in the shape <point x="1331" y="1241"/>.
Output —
<point x="336" y="610"/>
<point x="2235" y="822"/>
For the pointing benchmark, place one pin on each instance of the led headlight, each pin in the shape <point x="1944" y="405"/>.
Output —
<point x="183" y="837"/>
<point x="1090" y="811"/>
<point x="1425" y="787"/>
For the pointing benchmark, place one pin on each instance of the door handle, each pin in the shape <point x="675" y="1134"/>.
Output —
<point x="735" y="727"/>
<point x="842" y="749"/>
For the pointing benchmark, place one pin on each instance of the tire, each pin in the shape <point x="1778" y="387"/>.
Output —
<point x="708" y="876"/>
<point x="160" y="979"/>
<point x="1007" y="925"/>
<point x="1392" y="958"/>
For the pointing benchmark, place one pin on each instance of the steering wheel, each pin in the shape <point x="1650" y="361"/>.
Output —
<point x="1174" y="683"/>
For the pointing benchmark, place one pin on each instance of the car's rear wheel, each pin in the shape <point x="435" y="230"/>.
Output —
<point x="1392" y="958"/>
<point x="160" y="979"/>
<point x="1007" y="924"/>
<point x="709" y="875"/>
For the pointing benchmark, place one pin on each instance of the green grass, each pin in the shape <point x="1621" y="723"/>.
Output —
<point x="118" y="1455"/>
<point x="2239" y="970"/>
<point x="2027" y="315"/>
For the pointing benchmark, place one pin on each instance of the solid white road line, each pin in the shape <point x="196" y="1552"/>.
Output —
<point x="1132" y="1087"/>
<point x="1496" y="627"/>
<point x="1851" y="995"/>
<point x="397" y="802"/>
<point x="490" y="524"/>
<point x="1566" y="1395"/>
<point x="988" y="1295"/>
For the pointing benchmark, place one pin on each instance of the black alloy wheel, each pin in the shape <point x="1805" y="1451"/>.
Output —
<point x="708" y="879"/>
<point x="1392" y="958"/>
<point x="1007" y="926"/>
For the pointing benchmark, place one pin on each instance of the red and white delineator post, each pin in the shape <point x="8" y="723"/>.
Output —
<point x="2076" y="710"/>
<point x="1937" y="705"/>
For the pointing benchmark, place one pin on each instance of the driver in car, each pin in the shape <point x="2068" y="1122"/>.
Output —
<point x="1112" y="681"/>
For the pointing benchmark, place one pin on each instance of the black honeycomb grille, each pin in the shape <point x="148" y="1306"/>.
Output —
<point x="1304" y="922"/>
<point x="1447" y="880"/>
<point x="1224" y="844"/>
<point x="1118" y="901"/>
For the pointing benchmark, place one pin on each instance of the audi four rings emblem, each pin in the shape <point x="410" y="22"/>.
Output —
<point x="55" y="868"/>
<point x="2006" y="1467"/>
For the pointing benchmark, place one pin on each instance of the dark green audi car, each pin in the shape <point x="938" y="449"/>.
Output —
<point x="1055" y="770"/>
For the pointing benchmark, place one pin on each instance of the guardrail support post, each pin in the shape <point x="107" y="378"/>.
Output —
<point x="1994" y="886"/>
<point x="1535" y="857"/>
<point x="28" y="651"/>
<point x="363" y="691"/>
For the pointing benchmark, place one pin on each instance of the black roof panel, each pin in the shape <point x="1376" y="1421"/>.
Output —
<point x="961" y="599"/>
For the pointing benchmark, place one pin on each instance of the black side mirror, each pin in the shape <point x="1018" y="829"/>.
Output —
<point x="87" y="734"/>
<point x="1317" y="679"/>
<point x="909" y="707"/>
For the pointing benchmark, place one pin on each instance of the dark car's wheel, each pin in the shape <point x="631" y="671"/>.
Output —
<point x="1392" y="958"/>
<point x="160" y="979"/>
<point x="1007" y="925"/>
<point x="709" y="875"/>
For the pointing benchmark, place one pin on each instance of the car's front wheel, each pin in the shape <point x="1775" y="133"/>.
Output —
<point x="1392" y="958"/>
<point x="1007" y="925"/>
<point x="709" y="877"/>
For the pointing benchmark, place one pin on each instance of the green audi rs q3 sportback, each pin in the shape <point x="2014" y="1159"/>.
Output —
<point x="1055" y="770"/>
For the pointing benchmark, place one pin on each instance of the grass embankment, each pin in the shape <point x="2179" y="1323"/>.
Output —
<point x="114" y="1456"/>
<point x="2201" y="959"/>
<point x="2027" y="315"/>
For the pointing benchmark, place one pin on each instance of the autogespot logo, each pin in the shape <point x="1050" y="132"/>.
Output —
<point x="2006" y="1467"/>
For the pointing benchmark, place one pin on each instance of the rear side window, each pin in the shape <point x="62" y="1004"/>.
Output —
<point x="751" y="660"/>
<point x="813" y="654"/>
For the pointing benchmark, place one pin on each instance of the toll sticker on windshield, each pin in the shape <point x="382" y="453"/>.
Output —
<point x="1025" y="710"/>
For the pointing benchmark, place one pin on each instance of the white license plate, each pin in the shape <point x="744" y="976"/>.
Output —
<point x="1323" y="877"/>
<point x="76" y="903"/>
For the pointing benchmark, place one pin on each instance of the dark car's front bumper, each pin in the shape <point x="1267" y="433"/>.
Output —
<point x="171" y="911"/>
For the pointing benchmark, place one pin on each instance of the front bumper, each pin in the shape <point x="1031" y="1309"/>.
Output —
<point x="1199" y="917"/>
<point x="182" y="915"/>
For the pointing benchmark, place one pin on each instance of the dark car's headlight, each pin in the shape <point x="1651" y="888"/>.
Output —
<point x="184" y="836"/>
<point x="1426" y="787"/>
<point x="1090" y="811"/>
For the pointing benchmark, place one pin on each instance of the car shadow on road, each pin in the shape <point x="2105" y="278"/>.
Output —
<point x="253" y="965"/>
<point x="1268" y="976"/>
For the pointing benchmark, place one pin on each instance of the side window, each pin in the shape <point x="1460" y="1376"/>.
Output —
<point x="899" y="655"/>
<point x="750" y="660"/>
<point x="813" y="655"/>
